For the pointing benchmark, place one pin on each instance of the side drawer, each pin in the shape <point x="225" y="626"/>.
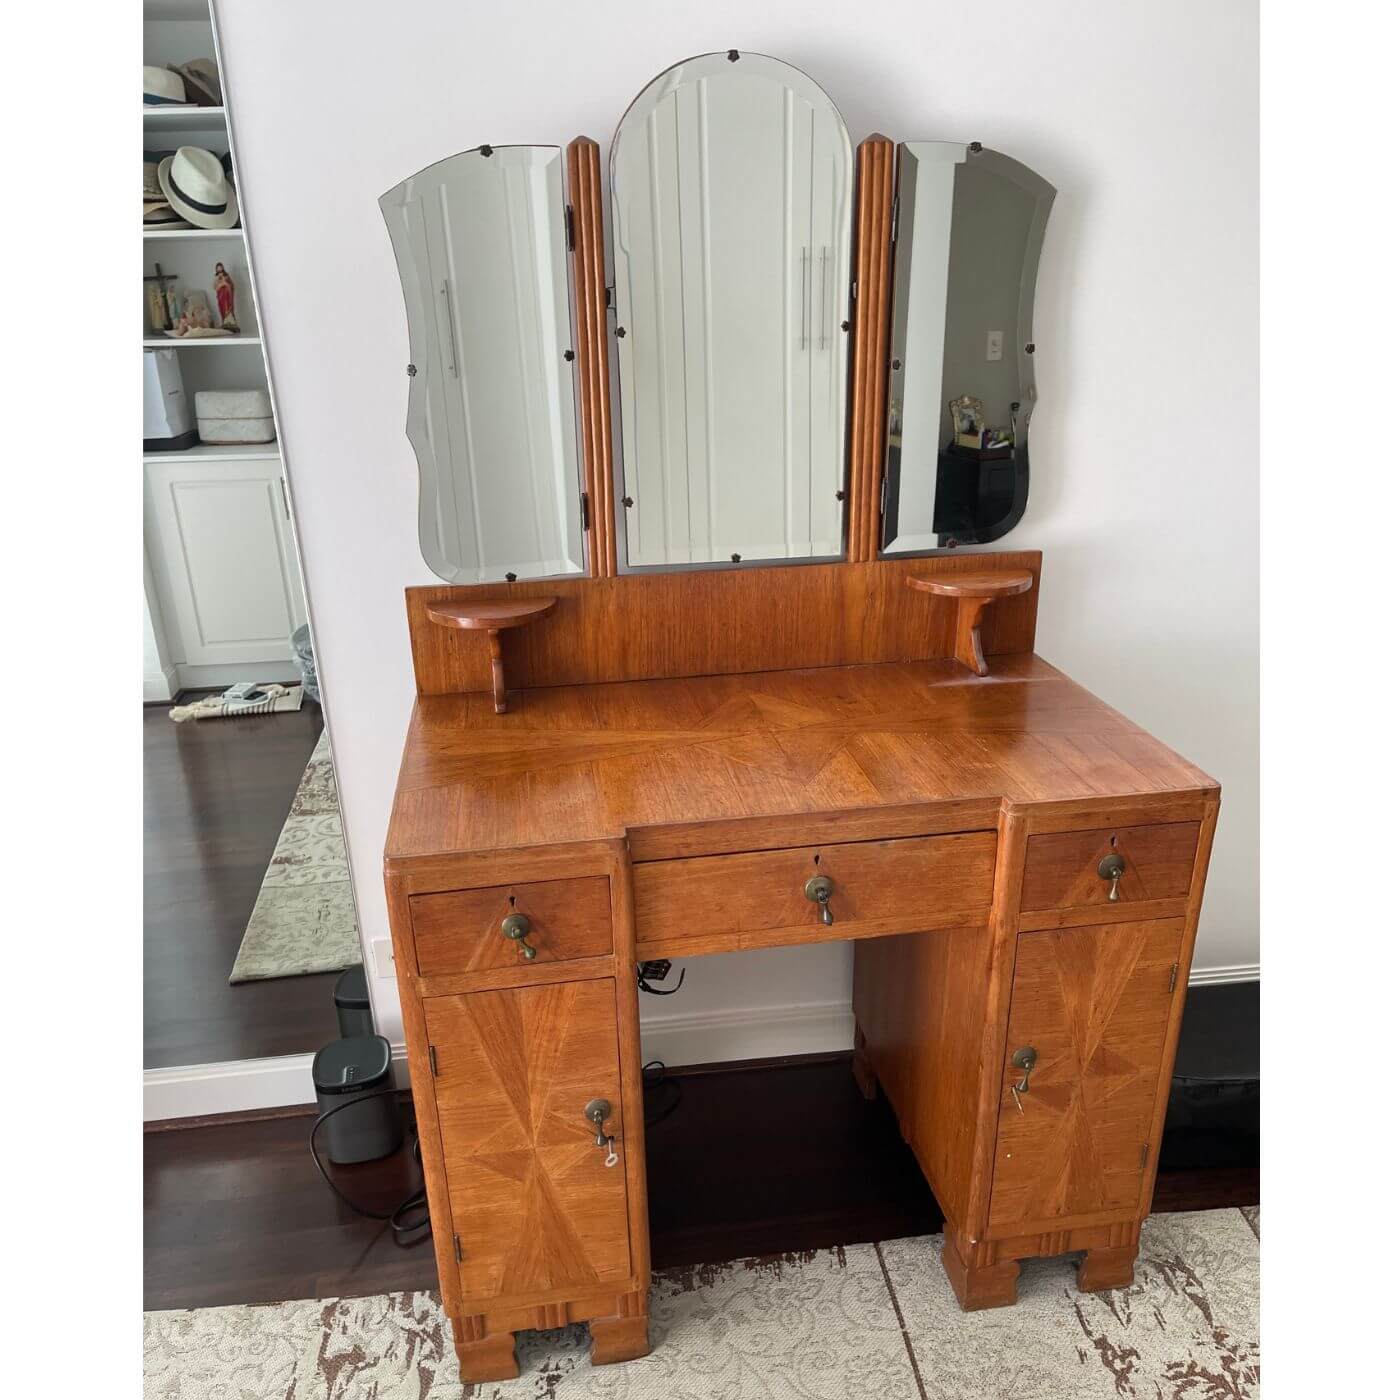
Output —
<point x="1062" y="868"/>
<point x="756" y="899"/>
<point x="460" y="931"/>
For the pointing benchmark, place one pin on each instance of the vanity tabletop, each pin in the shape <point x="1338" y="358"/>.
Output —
<point x="723" y="762"/>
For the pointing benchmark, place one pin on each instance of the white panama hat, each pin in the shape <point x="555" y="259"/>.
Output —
<point x="193" y="181"/>
<point x="162" y="88"/>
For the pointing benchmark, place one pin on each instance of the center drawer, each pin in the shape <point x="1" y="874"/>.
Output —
<point x="461" y="930"/>
<point x="758" y="899"/>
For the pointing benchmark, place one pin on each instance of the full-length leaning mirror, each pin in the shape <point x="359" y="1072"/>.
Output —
<point x="731" y="205"/>
<point x="968" y="236"/>
<point x="481" y="246"/>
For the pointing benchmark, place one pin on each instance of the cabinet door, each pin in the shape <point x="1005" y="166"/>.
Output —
<point x="535" y="1208"/>
<point x="1093" y="1004"/>
<point x="222" y="557"/>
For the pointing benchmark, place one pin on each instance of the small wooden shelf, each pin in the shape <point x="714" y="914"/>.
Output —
<point x="492" y="618"/>
<point x="974" y="592"/>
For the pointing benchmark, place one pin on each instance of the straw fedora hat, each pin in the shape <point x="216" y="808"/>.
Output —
<point x="201" y="81"/>
<point x="193" y="181"/>
<point x="162" y="88"/>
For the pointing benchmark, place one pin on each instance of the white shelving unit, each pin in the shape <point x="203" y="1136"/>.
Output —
<point x="223" y="587"/>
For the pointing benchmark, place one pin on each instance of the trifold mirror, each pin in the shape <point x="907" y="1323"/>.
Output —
<point x="762" y="402"/>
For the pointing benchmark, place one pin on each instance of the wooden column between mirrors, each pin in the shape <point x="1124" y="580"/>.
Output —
<point x="493" y="619"/>
<point x="974" y="592"/>
<point x="591" y="338"/>
<point x="870" y="344"/>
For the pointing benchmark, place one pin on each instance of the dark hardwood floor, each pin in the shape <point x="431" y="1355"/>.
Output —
<point x="216" y="795"/>
<point x="750" y="1160"/>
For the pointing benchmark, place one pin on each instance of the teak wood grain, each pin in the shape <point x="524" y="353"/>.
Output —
<point x="1093" y="1004"/>
<point x="460" y="931"/>
<point x="756" y="900"/>
<point x="1062" y="869"/>
<point x="870" y="327"/>
<point x="669" y="763"/>
<point x="591" y="343"/>
<point x="536" y="1212"/>
<point x="715" y="622"/>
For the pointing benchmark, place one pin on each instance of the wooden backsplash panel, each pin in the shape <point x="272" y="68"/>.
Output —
<point x="717" y="622"/>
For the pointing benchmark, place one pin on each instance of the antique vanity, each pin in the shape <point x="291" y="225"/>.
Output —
<point x="698" y="682"/>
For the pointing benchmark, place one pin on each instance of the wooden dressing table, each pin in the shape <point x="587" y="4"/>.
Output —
<point x="1021" y="866"/>
<point x="605" y="767"/>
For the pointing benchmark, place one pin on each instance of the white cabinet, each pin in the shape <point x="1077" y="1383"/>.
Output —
<point x="221" y="555"/>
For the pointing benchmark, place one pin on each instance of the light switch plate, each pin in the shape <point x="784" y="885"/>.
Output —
<point x="383" y="951"/>
<point x="994" y="345"/>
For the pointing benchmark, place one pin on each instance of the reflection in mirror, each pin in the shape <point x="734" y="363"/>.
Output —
<point x="731" y="184"/>
<point x="971" y="223"/>
<point x="482" y="255"/>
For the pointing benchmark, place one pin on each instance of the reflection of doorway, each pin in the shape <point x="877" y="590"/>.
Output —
<point x="217" y="795"/>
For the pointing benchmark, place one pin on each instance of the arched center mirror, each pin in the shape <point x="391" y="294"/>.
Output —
<point x="731" y="221"/>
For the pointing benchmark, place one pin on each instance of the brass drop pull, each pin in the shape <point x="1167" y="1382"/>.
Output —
<point x="598" y="1111"/>
<point x="1024" y="1059"/>
<point x="819" y="890"/>
<point x="516" y="926"/>
<point x="1111" y="867"/>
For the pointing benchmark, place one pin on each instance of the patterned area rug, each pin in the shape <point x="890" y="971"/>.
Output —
<point x="304" y="918"/>
<point x="868" y="1322"/>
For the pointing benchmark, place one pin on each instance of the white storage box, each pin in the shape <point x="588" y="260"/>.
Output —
<point x="233" y="415"/>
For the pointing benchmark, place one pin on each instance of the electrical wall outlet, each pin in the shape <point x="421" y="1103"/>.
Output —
<point x="994" y="345"/>
<point x="383" y="951"/>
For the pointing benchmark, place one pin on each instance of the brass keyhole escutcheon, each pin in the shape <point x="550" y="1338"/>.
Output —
<point x="819" y="890"/>
<point x="1111" y="868"/>
<point x="516" y="926"/>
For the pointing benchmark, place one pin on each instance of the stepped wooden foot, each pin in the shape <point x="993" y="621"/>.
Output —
<point x="860" y="1067"/>
<point x="487" y="1358"/>
<point x="1107" y="1268"/>
<point x="619" y="1339"/>
<point x="980" y="1286"/>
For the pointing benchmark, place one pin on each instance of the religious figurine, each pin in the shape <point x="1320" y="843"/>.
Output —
<point x="224" y="291"/>
<point x="195" y="319"/>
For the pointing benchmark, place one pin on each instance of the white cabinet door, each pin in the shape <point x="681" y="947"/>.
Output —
<point x="221" y="553"/>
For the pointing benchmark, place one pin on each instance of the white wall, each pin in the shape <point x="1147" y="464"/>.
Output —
<point x="1144" y="465"/>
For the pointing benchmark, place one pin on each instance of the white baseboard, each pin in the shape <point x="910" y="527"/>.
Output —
<point x="237" y="1086"/>
<point x="706" y="1037"/>
<point x="160" y="685"/>
<point x="222" y="676"/>
<point x="1214" y="976"/>
<point x="699" y="1038"/>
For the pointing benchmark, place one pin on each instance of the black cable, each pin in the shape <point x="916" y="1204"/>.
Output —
<point x="660" y="1081"/>
<point x="418" y="1199"/>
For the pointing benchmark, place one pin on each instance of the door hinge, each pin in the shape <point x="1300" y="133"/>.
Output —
<point x="569" y="227"/>
<point x="1142" y="1164"/>
<point x="457" y="1247"/>
<point x="894" y="220"/>
<point x="432" y="1059"/>
<point x="1171" y="985"/>
<point x="583" y="507"/>
<point x="884" y="492"/>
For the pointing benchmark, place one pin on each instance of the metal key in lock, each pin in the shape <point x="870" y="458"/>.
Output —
<point x="1024" y="1059"/>
<point x="819" y="890"/>
<point x="598" y="1111"/>
<point x="1111" y="867"/>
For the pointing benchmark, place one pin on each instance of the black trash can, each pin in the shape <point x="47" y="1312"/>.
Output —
<point x="351" y="1071"/>
<point x="352" y="1012"/>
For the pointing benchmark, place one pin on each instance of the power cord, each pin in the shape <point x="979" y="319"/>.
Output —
<point x="418" y="1200"/>
<point x="661" y="1086"/>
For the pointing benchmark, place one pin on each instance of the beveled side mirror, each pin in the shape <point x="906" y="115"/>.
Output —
<point x="482" y="253"/>
<point x="970" y="227"/>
